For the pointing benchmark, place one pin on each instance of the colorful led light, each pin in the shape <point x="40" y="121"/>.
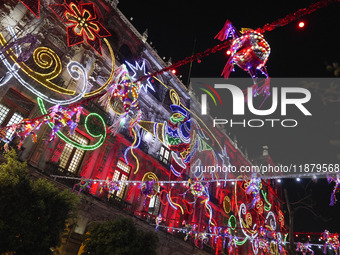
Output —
<point x="73" y="143"/>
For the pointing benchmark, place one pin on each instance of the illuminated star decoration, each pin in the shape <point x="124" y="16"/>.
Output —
<point x="83" y="22"/>
<point x="139" y="71"/>
<point x="33" y="6"/>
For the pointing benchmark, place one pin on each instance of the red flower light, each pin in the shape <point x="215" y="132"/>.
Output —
<point x="83" y="22"/>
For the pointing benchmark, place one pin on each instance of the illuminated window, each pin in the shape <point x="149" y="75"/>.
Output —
<point x="164" y="155"/>
<point x="121" y="173"/>
<point x="3" y="113"/>
<point x="71" y="156"/>
<point x="154" y="204"/>
<point x="13" y="109"/>
<point x="16" y="118"/>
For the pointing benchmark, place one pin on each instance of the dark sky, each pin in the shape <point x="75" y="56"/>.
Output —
<point x="173" y="27"/>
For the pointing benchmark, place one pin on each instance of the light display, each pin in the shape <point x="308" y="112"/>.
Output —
<point x="83" y="185"/>
<point x="138" y="72"/>
<point x="44" y="58"/>
<point x="331" y="240"/>
<point x="82" y="21"/>
<point x="304" y="248"/>
<point x="73" y="143"/>
<point x="250" y="51"/>
<point x="259" y="223"/>
<point x="110" y="187"/>
<point x="26" y="54"/>
<point x="336" y="189"/>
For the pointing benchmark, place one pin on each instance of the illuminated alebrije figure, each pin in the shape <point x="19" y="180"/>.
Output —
<point x="29" y="128"/>
<point x="84" y="184"/>
<point x="304" y="248"/>
<point x="202" y="238"/>
<point x="249" y="50"/>
<point x="336" y="188"/>
<point x="61" y="117"/>
<point x="332" y="240"/>
<point x="110" y="186"/>
<point x="189" y="229"/>
<point x="253" y="189"/>
<point x="158" y="221"/>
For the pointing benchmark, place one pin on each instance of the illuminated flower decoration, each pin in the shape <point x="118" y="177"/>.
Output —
<point x="83" y="22"/>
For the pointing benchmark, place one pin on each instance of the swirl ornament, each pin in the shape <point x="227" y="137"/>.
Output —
<point x="73" y="143"/>
<point x="44" y="58"/>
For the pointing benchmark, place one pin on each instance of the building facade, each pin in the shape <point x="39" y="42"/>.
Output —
<point x="134" y="146"/>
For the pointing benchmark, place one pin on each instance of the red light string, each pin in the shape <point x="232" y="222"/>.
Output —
<point x="295" y="16"/>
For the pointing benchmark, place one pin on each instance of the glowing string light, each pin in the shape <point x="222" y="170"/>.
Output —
<point x="73" y="69"/>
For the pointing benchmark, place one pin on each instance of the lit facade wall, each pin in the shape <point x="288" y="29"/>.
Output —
<point x="113" y="159"/>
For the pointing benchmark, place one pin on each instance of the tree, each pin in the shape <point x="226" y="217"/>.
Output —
<point x="33" y="214"/>
<point x="119" y="237"/>
<point x="305" y="202"/>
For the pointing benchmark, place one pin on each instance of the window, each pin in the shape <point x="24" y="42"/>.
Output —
<point x="71" y="156"/>
<point x="121" y="173"/>
<point x="154" y="204"/>
<point x="16" y="118"/>
<point x="13" y="109"/>
<point x="164" y="155"/>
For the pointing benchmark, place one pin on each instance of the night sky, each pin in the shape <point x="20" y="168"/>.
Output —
<point x="173" y="28"/>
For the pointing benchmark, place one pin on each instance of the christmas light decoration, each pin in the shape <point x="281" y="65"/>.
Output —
<point x="336" y="189"/>
<point x="331" y="241"/>
<point x="44" y="58"/>
<point x="83" y="185"/>
<point x="253" y="188"/>
<point x="73" y="143"/>
<point x="151" y="177"/>
<point x="82" y="21"/>
<point x="138" y="72"/>
<point x="110" y="187"/>
<point x="304" y="248"/>
<point x="26" y="54"/>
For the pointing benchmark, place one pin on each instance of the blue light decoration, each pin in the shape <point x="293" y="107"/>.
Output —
<point x="138" y="72"/>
